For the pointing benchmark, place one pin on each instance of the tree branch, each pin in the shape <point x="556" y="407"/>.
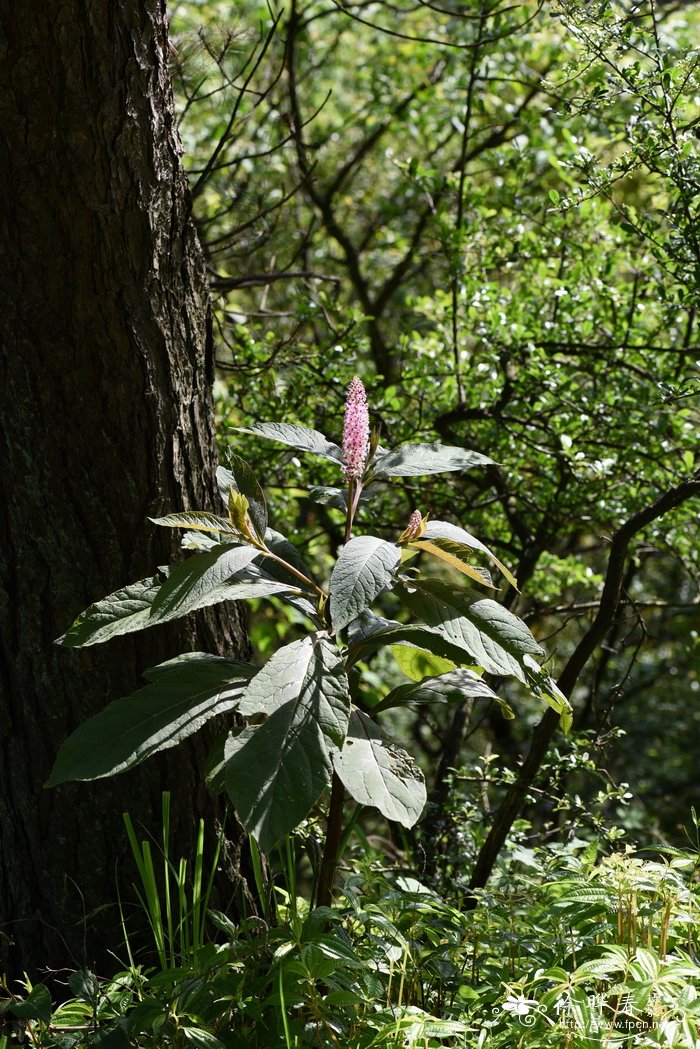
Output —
<point x="543" y="733"/>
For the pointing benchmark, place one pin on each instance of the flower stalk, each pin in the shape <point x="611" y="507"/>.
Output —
<point x="356" y="451"/>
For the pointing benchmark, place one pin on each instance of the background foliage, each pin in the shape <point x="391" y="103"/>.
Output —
<point x="492" y="209"/>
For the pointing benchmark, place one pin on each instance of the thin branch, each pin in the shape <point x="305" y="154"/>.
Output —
<point x="544" y="732"/>
<point x="219" y="283"/>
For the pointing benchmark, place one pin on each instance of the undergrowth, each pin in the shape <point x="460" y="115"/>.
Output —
<point x="573" y="948"/>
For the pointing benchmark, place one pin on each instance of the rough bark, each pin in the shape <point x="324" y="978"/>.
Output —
<point x="106" y="419"/>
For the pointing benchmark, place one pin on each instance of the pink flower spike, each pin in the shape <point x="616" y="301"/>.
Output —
<point x="414" y="522"/>
<point x="356" y="430"/>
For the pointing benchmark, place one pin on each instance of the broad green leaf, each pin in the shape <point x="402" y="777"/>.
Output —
<point x="36" y="1006"/>
<point x="182" y="694"/>
<point x="417" y="664"/>
<point x="309" y="670"/>
<point x="302" y="438"/>
<point x="452" y="687"/>
<point x="122" y="612"/>
<point x="415" y="460"/>
<point x="454" y="555"/>
<point x="492" y="636"/>
<point x="439" y="530"/>
<point x="197" y="541"/>
<point x="198" y="521"/>
<point x="203" y="579"/>
<point x="365" y="567"/>
<point x="275" y="773"/>
<point x="248" y="485"/>
<point x="377" y="772"/>
<point x="364" y="643"/>
<point x="200" y="1038"/>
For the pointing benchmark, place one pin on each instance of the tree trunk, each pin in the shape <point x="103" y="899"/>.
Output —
<point x="106" y="419"/>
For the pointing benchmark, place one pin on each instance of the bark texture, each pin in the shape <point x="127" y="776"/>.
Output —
<point x="105" y="420"/>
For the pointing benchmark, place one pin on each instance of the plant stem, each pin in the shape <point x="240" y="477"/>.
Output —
<point x="334" y="826"/>
<point x="295" y="571"/>
<point x="334" y="830"/>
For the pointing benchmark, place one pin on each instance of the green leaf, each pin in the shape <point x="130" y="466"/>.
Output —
<point x="492" y="636"/>
<point x="415" y="460"/>
<point x="364" y="642"/>
<point x="248" y="485"/>
<point x="325" y="496"/>
<point x="198" y="521"/>
<point x="302" y="438"/>
<point x="84" y="984"/>
<point x="547" y="690"/>
<point x="377" y="772"/>
<point x="455" y="555"/>
<point x="201" y="1039"/>
<point x="505" y="708"/>
<point x="181" y="696"/>
<point x="36" y="1006"/>
<point x="203" y="579"/>
<point x="443" y="530"/>
<point x="311" y="670"/>
<point x="115" y="1037"/>
<point x="275" y="772"/>
<point x="452" y="687"/>
<point x="122" y="612"/>
<point x="365" y="567"/>
<point x="417" y="664"/>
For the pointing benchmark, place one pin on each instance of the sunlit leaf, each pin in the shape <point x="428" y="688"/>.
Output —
<point x="417" y="664"/>
<point x="453" y="687"/>
<point x="302" y="438"/>
<point x="377" y="772"/>
<point x="365" y="566"/>
<point x="415" y="460"/>
<point x="122" y="612"/>
<point x="203" y="579"/>
<point x="492" y="636"/>
<point x="454" y="555"/>
<point x="443" y="530"/>
<point x="198" y="521"/>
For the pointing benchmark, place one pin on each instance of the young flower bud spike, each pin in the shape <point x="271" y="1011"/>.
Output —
<point x="355" y="431"/>
<point x="415" y="528"/>
<point x="414" y="522"/>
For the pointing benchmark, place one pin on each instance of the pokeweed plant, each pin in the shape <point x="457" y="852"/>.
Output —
<point x="304" y="722"/>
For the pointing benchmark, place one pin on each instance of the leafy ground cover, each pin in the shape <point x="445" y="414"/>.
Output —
<point x="573" y="946"/>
